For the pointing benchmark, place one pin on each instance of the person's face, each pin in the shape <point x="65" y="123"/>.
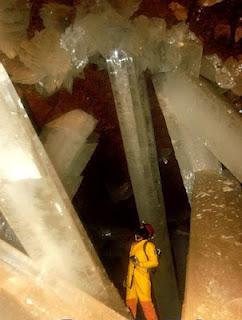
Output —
<point x="137" y="237"/>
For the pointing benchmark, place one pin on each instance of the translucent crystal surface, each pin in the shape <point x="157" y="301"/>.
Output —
<point x="182" y="50"/>
<point x="143" y="41"/>
<point x="93" y="33"/>
<point x="57" y="54"/>
<point x="192" y="155"/>
<point x="214" y="272"/>
<point x="98" y="28"/>
<point x="134" y="116"/>
<point x="209" y="66"/>
<point x="206" y="116"/>
<point x="37" y="208"/>
<point x="102" y="31"/>
<point x="14" y="20"/>
<point x="227" y="74"/>
<point x="66" y="142"/>
<point x="25" y="295"/>
<point x="42" y="61"/>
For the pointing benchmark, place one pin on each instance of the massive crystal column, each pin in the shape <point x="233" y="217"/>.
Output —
<point x="133" y="111"/>
<point x="205" y="115"/>
<point x="192" y="155"/>
<point x="71" y="157"/>
<point x="37" y="208"/>
<point x="24" y="296"/>
<point x="214" y="272"/>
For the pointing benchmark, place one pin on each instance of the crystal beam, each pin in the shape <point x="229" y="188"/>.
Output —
<point x="37" y="208"/>
<point x="129" y="90"/>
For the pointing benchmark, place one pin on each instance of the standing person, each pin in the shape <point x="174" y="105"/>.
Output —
<point x="142" y="258"/>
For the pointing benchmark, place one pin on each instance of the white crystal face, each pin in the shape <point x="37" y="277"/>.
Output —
<point x="70" y="158"/>
<point x="37" y="208"/>
<point x="181" y="49"/>
<point x="34" y="66"/>
<point x="192" y="155"/>
<point x="206" y="115"/>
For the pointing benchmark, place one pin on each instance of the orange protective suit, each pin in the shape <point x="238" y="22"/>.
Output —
<point x="138" y="286"/>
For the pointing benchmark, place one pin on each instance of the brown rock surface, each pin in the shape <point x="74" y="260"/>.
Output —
<point x="179" y="11"/>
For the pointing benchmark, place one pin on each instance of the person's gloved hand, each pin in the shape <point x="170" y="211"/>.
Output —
<point x="134" y="260"/>
<point x="158" y="251"/>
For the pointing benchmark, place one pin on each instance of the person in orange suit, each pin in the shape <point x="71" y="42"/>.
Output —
<point x="142" y="258"/>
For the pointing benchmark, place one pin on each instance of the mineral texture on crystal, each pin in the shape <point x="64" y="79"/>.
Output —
<point x="181" y="49"/>
<point x="214" y="272"/>
<point x="37" y="208"/>
<point x="68" y="143"/>
<point x="97" y="30"/>
<point x="42" y="60"/>
<point x="93" y="33"/>
<point x="206" y="116"/>
<point x="49" y="64"/>
<point x="227" y="74"/>
<point x="103" y="31"/>
<point x="210" y="66"/>
<point x="144" y="40"/>
<point x="55" y="55"/>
